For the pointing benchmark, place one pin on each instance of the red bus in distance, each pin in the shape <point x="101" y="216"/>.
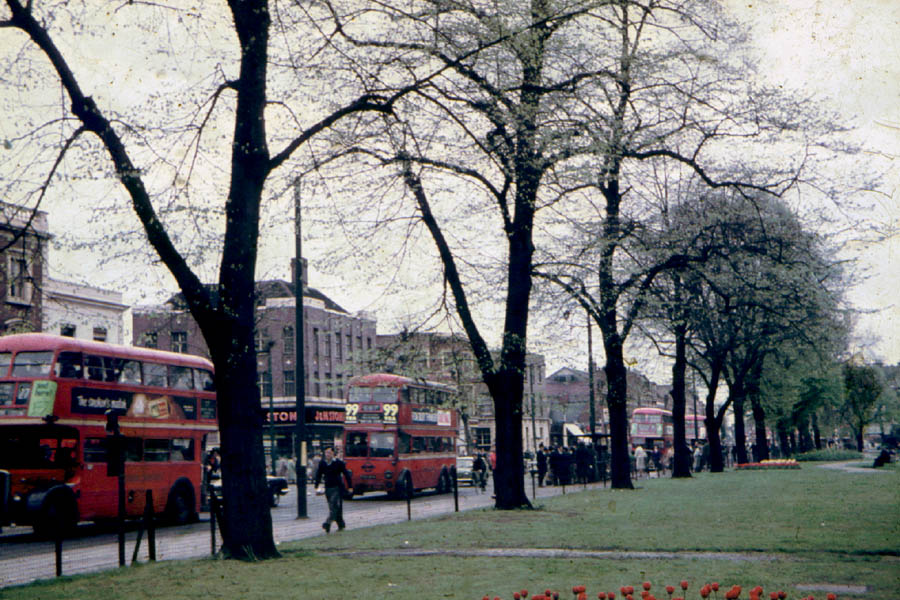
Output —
<point x="652" y="426"/>
<point x="399" y="434"/>
<point x="55" y="394"/>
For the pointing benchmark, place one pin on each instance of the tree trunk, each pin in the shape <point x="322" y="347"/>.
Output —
<point x="738" y="394"/>
<point x="817" y="434"/>
<point x="509" y="486"/>
<point x="681" y="465"/>
<point x="713" y="422"/>
<point x="759" y="422"/>
<point x="783" y="440"/>
<point x="616" y="402"/>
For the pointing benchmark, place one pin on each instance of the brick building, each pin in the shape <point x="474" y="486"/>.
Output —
<point x="336" y="347"/>
<point x="24" y="237"/>
<point x="568" y="396"/>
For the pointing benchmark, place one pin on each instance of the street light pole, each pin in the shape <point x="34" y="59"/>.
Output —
<point x="591" y="398"/>
<point x="299" y="362"/>
<point x="269" y="347"/>
<point x="531" y="391"/>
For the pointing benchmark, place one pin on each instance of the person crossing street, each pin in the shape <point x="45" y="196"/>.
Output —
<point x="331" y="470"/>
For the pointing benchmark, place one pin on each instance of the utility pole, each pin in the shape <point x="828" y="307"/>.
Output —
<point x="591" y="398"/>
<point x="299" y="363"/>
<point x="531" y="391"/>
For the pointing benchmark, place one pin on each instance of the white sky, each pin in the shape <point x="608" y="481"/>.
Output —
<point x="844" y="51"/>
<point x="849" y="53"/>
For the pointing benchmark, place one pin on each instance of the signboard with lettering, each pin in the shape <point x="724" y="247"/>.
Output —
<point x="43" y="394"/>
<point x="313" y="415"/>
<point x="371" y="412"/>
<point x="93" y="401"/>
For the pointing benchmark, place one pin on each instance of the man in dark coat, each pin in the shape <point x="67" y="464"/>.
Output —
<point x="541" y="465"/>
<point x="331" y="469"/>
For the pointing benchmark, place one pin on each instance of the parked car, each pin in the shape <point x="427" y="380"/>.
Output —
<point x="278" y="487"/>
<point x="464" y="470"/>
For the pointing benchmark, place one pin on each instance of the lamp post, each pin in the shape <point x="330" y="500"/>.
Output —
<point x="272" y="457"/>
<point x="299" y="366"/>
<point x="591" y="398"/>
<point x="533" y="429"/>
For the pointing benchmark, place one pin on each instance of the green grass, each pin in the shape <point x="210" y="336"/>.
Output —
<point x="816" y="526"/>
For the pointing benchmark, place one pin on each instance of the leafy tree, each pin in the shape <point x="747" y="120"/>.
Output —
<point x="154" y="141"/>
<point x="863" y="387"/>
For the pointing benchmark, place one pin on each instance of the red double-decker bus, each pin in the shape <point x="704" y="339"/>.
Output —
<point x="652" y="426"/>
<point x="399" y="434"/>
<point x="56" y="397"/>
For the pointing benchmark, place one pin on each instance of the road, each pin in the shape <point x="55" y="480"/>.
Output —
<point x="24" y="559"/>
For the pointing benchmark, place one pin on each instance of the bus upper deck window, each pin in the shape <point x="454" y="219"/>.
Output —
<point x="68" y="365"/>
<point x="5" y="361"/>
<point x="32" y="364"/>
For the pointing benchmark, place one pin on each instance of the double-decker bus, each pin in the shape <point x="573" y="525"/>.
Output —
<point x="651" y="426"/>
<point x="56" y="397"/>
<point x="399" y="434"/>
<point x="694" y="427"/>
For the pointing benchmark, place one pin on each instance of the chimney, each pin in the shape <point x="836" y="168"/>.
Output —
<point x="304" y="274"/>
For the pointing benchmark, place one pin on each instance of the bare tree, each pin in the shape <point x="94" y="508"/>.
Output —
<point x="156" y="171"/>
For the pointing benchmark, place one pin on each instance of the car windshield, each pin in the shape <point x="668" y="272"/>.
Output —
<point x="464" y="461"/>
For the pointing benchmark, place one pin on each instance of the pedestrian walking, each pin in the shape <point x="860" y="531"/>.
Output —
<point x="640" y="460"/>
<point x="331" y="470"/>
<point x="541" y="465"/>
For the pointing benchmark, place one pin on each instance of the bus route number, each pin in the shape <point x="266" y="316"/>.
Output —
<point x="351" y="412"/>
<point x="390" y="413"/>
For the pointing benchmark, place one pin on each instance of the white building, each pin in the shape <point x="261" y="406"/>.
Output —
<point x="85" y="312"/>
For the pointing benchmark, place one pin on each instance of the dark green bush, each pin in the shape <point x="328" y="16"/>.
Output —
<point x="830" y="454"/>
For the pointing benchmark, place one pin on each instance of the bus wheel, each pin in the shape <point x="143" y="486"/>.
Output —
<point x="180" y="507"/>
<point x="58" y="515"/>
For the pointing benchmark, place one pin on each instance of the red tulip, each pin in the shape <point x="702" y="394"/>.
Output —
<point x="624" y="590"/>
<point x="704" y="591"/>
<point x="578" y="589"/>
<point x="629" y="597"/>
<point x="644" y="594"/>
<point x="548" y="593"/>
<point x="831" y="596"/>
<point x="524" y="593"/>
<point x="782" y="595"/>
<point x="714" y="586"/>
<point x="582" y="596"/>
<point x="684" y="585"/>
<point x="516" y="596"/>
<point x="773" y="595"/>
<point x="611" y="595"/>
<point x="629" y="589"/>
<point x="601" y="595"/>
<point x="646" y="586"/>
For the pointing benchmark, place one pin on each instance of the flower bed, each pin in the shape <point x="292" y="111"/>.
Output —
<point x="772" y="463"/>
<point x="579" y="592"/>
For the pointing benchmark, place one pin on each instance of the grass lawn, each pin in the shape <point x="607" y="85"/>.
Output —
<point x="810" y="526"/>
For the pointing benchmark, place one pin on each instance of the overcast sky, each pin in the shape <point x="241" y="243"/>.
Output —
<point x="849" y="53"/>
<point x="846" y="52"/>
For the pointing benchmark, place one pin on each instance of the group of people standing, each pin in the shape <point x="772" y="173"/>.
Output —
<point x="565" y="465"/>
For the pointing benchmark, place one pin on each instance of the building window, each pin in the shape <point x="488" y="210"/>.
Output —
<point x="338" y="348"/>
<point x="482" y="437"/>
<point x="264" y="382"/>
<point x="289" y="342"/>
<point x="67" y="330"/>
<point x="99" y="334"/>
<point x="327" y="345"/>
<point x="261" y="340"/>
<point x="289" y="388"/>
<point x="179" y="342"/>
<point x="315" y="342"/>
<point x="19" y="283"/>
<point x="150" y="339"/>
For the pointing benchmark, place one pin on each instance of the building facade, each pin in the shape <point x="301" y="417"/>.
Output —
<point x="24" y="237"/>
<point x="84" y="312"/>
<point x="336" y="347"/>
<point x="568" y="395"/>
